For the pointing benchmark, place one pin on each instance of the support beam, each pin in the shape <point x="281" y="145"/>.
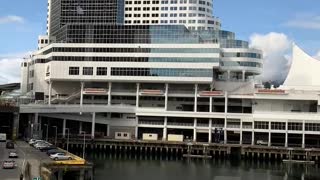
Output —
<point x="269" y="137"/>
<point x="195" y="97"/>
<point x="50" y="92"/>
<point x="210" y="104"/>
<point x="210" y="131"/>
<point x="108" y="130"/>
<point x="241" y="136"/>
<point x="166" y="97"/>
<point x="195" y="130"/>
<point x="136" y="129"/>
<point x="228" y="75"/>
<point x="164" y="135"/>
<point x="93" y="126"/>
<point x="303" y="134"/>
<point x="15" y="131"/>
<point x="64" y="128"/>
<point x="81" y="93"/>
<point x="109" y="93"/>
<point x="225" y="116"/>
<point x="286" y="140"/>
<point x="252" y="135"/>
<point x="137" y="94"/>
<point x="243" y="75"/>
<point x="80" y="127"/>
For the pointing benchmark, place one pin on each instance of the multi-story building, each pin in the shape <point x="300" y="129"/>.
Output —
<point x="105" y="74"/>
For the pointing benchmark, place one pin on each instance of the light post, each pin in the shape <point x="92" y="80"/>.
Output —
<point x="55" y="138"/>
<point x="46" y="132"/>
<point x="84" y="143"/>
<point x="68" y="139"/>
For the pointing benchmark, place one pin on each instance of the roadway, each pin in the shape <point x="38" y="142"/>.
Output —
<point x="26" y="154"/>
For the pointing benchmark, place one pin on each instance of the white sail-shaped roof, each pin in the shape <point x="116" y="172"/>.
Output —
<point x="304" y="73"/>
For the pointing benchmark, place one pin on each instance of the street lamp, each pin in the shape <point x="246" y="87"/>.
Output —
<point x="46" y="132"/>
<point x="55" y="138"/>
<point x="68" y="139"/>
<point x="84" y="143"/>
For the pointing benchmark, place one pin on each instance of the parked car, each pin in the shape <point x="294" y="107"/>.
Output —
<point x="37" y="141"/>
<point x="53" y="151"/>
<point x="8" y="164"/>
<point x="31" y="141"/>
<point x="60" y="156"/>
<point x="47" y="148"/>
<point x="41" y="145"/>
<point x="262" y="142"/>
<point x="13" y="154"/>
<point x="10" y="145"/>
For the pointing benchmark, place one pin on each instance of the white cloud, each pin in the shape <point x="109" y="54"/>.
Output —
<point x="276" y="48"/>
<point x="305" y="21"/>
<point x="10" y="67"/>
<point x="317" y="56"/>
<point x="11" y="19"/>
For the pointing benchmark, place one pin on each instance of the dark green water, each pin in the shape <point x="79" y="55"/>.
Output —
<point x="133" y="168"/>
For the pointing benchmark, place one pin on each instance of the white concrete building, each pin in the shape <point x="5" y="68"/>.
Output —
<point x="108" y="78"/>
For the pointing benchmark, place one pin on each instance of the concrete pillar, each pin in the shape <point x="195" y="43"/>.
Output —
<point x="109" y="93"/>
<point x="210" y="131"/>
<point x="210" y="104"/>
<point x="195" y="130"/>
<point x="303" y="134"/>
<point x="136" y="129"/>
<point x="137" y="94"/>
<point x="15" y="126"/>
<point x="166" y="97"/>
<point x="225" y="117"/>
<point x="93" y="126"/>
<point x="240" y="142"/>
<point x="195" y="97"/>
<point x="64" y="128"/>
<point x="252" y="138"/>
<point x="286" y="140"/>
<point x="228" y="75"/>
<point x="60" y="175"/>
<point x="81" y="93"/>
<point x="80" y="127"/>
<point x="81" y="176"/>
<point x="108" y="130"/>
<point x="164" y="135"/>
<point x="243" y="75"/>
<point x="50" y="92"/>
<point x="269" y="138"/>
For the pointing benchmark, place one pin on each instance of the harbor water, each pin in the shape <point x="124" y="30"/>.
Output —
<point x="115" y="167"/>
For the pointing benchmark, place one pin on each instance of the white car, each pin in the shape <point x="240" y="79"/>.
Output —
<point x="60" y="156"/>
<point x="262" y="142"/>
<point x="13" y="154"/>
<point x="42" y="145"/>
<point x="31" y="141"/>
<point x="35" y="142"/>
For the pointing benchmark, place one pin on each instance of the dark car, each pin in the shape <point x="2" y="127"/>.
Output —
<point x="43" y="149"/>
<point x="10" y="145"/>
<point x="53" y="151"/>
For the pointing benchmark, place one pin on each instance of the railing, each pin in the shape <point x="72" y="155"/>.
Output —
<point x="150" y="122"/>
<point x="233" y="126"/>
<point x="179" y="124"/>
<point x="202" y="125"/>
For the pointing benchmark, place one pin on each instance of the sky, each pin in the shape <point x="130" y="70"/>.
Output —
<point x="270" y="25"/>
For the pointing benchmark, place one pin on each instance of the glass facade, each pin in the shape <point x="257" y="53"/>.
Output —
<point x="169" y="72"/>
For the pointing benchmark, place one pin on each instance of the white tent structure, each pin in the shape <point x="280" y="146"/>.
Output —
<point x="304" y="73"/>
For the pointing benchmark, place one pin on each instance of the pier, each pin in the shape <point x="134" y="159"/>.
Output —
<point x="193" y="150"/>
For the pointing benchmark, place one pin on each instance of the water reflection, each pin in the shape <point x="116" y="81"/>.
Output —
<point x="127" y="166"/>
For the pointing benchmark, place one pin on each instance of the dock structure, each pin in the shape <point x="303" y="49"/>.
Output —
<point x="195" y="150"/>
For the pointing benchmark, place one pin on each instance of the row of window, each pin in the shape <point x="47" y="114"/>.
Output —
<point x="132" y="50"/>
<point x="134" y="59"/>
<point x="242" y="54"/>
<point x="101" y="71"/>
<point x="291" y="126"/>
<point x="240" y="63"/>
<point x="169" y="72"/>
<point x="169" y="2"/>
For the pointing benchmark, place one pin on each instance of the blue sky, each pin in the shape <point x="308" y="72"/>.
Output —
<point x="21" y="21"/>
<point x="244" y="17"/>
